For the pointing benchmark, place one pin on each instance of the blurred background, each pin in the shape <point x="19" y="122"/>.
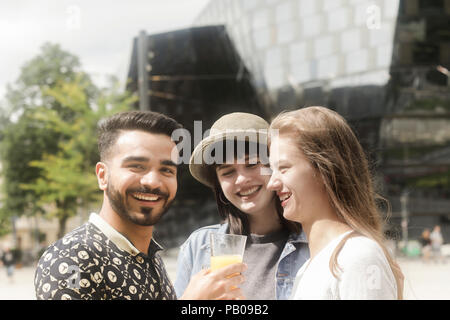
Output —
<point x="382" y="64"/>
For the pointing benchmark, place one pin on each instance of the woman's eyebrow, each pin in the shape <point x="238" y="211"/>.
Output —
<point x="223" y="166"/>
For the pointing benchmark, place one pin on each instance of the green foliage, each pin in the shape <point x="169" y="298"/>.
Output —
<point x="22" y="142"/>
<point x="435" y="180"/>
<point x="433" y="105"/>
<point x="22" y="138"/>
<point x="5" y="227"/>
<point x="400" y="153"/>
<point x="45" y="70"/>
<point x="48" y="144"/>
<point x="68" y="177"/>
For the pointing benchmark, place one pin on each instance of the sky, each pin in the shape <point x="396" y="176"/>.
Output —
<point x="99" y="32"/>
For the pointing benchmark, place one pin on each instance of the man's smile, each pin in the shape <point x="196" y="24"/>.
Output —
<point x="146" y="196"/>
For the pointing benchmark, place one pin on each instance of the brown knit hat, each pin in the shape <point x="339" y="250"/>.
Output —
<point x="239" y="126"/>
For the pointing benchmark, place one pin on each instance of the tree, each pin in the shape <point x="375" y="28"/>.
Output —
<point x="23" y="139"/>
<point x="48" y="145"/>
<point x="50" y="67"/>
<point x="22" y="142"/>
<point x="67" y="180"/>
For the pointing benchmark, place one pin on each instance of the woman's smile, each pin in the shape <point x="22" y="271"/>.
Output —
<point x="284" y="198"/>
<point x="247" y="193"/>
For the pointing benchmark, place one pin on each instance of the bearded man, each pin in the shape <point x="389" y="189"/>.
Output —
<point x="113" y="255"/>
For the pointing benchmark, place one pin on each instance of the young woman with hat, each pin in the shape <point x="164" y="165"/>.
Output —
<point x="231" y="162"/>
<point x="321" y="176"/>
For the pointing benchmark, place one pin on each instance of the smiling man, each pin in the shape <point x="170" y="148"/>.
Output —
<point x="114" y="255"/>
<point x="140" y="184"/>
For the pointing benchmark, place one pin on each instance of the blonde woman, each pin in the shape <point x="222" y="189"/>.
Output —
<point x="321" y="175"/>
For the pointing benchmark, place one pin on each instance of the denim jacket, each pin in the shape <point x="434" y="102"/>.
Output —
<point x="194" y="256"/>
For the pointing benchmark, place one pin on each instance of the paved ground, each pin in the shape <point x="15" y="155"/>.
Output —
<point x="21" y="287"/>
<point x="423" y="280"/>
<point x="426" y="281"/>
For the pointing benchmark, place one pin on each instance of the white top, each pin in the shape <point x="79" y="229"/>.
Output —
<point x="436" y="238"/>
<point x="364" y="273"/>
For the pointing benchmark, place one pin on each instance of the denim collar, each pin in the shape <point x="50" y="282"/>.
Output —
<point x="223" y="228"/>
<point x="293" y="237"/>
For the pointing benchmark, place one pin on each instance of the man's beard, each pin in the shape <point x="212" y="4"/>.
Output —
<point x="148" y="216"/>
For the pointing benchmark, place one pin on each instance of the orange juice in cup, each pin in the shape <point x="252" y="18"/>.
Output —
<point x="218" y="262"/>
<point x="226" y="249"/>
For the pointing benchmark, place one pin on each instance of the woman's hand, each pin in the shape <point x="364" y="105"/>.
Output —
<point x="220" y="284"/>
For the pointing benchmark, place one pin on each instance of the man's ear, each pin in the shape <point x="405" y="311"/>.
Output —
<point x="102" y="175"/>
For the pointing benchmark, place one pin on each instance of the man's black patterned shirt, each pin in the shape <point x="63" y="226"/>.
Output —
<point x="95" y="261"/>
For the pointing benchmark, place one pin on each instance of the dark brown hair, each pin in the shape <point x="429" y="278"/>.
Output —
<point x="153" y="122"/>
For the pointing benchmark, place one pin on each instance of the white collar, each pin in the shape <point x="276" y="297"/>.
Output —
<point x="115" y="236"/>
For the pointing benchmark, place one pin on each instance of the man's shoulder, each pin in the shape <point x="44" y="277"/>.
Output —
<point x="85" y="238"/>
<point x="66" y="268"/>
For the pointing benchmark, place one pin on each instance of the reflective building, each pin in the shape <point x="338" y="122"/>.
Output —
<point x="382" y="64"/>
<point x="194" y="75"/>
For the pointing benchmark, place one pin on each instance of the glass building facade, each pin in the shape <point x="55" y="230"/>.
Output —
<point x="382" y="64"/>
<point x="304" y="44"/>
<point x="195" y="76"/>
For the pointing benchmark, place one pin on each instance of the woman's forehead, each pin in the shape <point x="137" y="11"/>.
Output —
<point x="285" y="147"/>
<point x="241" y="158"/>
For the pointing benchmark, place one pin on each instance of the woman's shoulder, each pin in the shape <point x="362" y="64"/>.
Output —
<point x="201" y="235"/>
<point x="209" y="229"/>
<point x="366" y="271"/>
<point x="362" y="250"/>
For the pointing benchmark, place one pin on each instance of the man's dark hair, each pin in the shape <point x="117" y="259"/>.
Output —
<point x="153" y="122"/>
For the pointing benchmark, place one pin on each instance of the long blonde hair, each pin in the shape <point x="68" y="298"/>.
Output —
<point x="332" y="148"/>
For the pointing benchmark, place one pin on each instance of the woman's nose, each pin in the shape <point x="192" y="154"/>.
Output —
<point x="274" y="183"/>
<point x="241" y="178"/>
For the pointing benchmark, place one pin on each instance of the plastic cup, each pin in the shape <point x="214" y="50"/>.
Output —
<point x="226" y="249"/>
